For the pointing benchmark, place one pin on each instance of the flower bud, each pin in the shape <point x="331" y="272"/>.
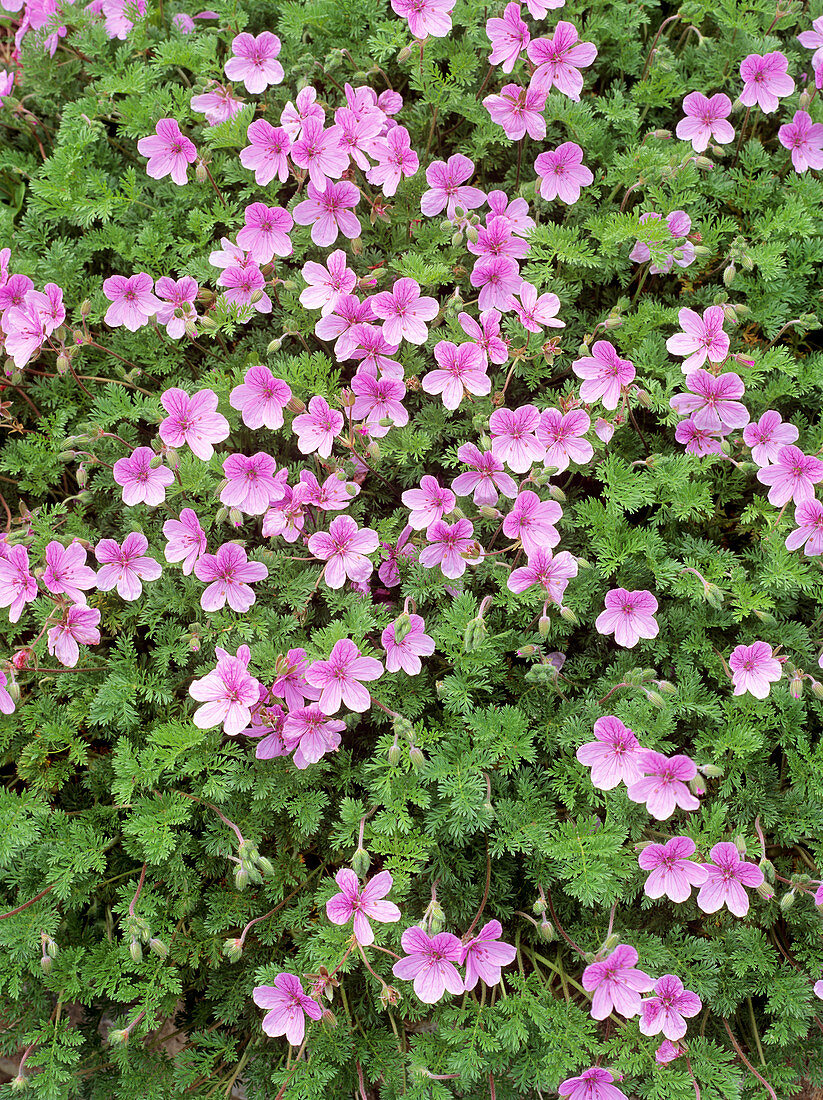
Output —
<point x="208" y="324"/>
<point x="457" y="238"/>
<point x="158" y="947"/>
<point x="488" y="512"/>
<point x="389" y="996"/>
<point x="729" y="274"/>
<point x="796" y="685"/>
<point x="274" y="345"/>
<point x="805" y="100"/>
<point x="767" y="867"/>
<point x="543" y="626"/>
<point x="817" y="689"/>
<point x="402" y="727"/>
<point x="697" y="785"/>
<point x="265" y="865"/>
<point x="472" y="234"/>
<point x="666" y="687"/>
<point x="63" y="363"/>
<point x="765" y="891"/>
<point x="235" y="517"/>
<point x="582" y="349"/>
<point x="474" y="635"/>
<point x="135" y="950"/>
<point x="556" y="493"/>
<point x="662" y="135"/>
<point x="118" y="1036"/>
<point x="233" y="950"/>
<point x="417" y="759"/>
<point x="360" y="862"/>
<point x="711" y="771"/>
<point x="46" y="964"/>
<point x="547" y="930"/>
<point x="394" y="755"/>
<point x="373" y="450"/>
<point x="436" y="918"/>
<point x="241" y="878"/>
<point x="703" y="162"/>
<point x="357" y="246"/>
<point x="739" y="842"/>
<point x="402" y="626"/>
<point x="787" y="901"/>
<point x="570" y="617"/>
<point x="643" y="398"/>
<point x="527" y="651"/>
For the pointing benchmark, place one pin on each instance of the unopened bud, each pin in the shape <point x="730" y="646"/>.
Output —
<point x="765" y="891"/>
<point x="787" y="901"/>
<point x="274" y="345"/>
<point x="817" y="689"/>
<point x="265" y="865"/>
<point x="729" y="274"/>
<point x="703" y="162"/>
<point x="200" y="173"/>
<point x="394" y="755"/>
<point x="643" y="398"/>
<point x="135" y="950"/>
<point x="796" y="685"/>
<point x="373" y="450"/>
<point x="527" y="650"/>
<point x="416" y="758"/>
<point x="235" y="517"/>
<point x="472" y="234"/>
<point x="457" y="238"/>
<point x="436" y="918"/>
<point x="711" y="771"/>
<point x="360" y="862"/>
<point x="241" y="878"/>
<point x="697" y="785"/>
<point x="805" y="100"/>
<point x="767" y="867"/>
<point x="610" y="943"/>
<point x="474" y="635"/>
<point x="208" y="324"/>
<point x="547" y="930"/>
<point x="63" y="363"/>
<point x="582" y="349"/>
<point x="543" y="626"/>
<point x="357" y="246"/>
<point x="713" y="596"/>
<point x="233" y="950"/>
<point x="46" y="964"/>
<point x="570" y="617"/>
<point x="740" y="843"/>
<point x="158" y="947"/>
<point x="488" y="512"/>
<point x="666" y="687"/>
<point x="765" y="616"/>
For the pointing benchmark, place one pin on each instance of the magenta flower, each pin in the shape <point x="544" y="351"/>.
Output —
<point x="808" y="534"/>
<point x="430" y="962"/>
<point x="767" y="436"/>
<point x="509" y="36"/>
<point x="712" y="402"/>
<point x="378" y="400"/>
<point x="727" y="875"/>
<point x="327" y="285"/>
<point x="317" y="428"/>
<point x="17" y="586"/>
<point x="339" y="678"/>
<point x="629" y="616"/>
<point x="287" y="517"/>
<point x="699" y="441"/>
<point x="328" y="212"/>
<point x="532" y="521"/>
<point x="616" y="983"/>
<point x="665" y="1011"/>
<point x="484" y="957"/>
<point x="518" y="110"/>
<point x="169" y="152"/>
<point x="498" y="278"/>
<point x="395" y="159"/>
<point x="267" y="152"/>
<point x="765" y="80"/>
<point x="24" y="332"/>
<point x="663" y="785"/>
<point x="701" y="339"/>
<point x="486" y="334"/>
<point x="754" y="669"/>
<point x="428" y="504"/>
<point x="447" y="545"/>
<point x="672" y="872"/>
<point x="261" y="398"/>
<point x="372" y="349"/>
<point x="319" y="151"/>
<point x="344" y="548"/>
<point x="461" y="371"/>
<point x="706" y="119"/>
<point x="310" y="734"/>
<point x="218" y="104"/>
<point x="559" y="60"/>
<point x="361" y="904"/>
<point x="496" y="238"/>
<point x="230" y="573"/>
<point x="388" y="571"/>
<point x="294" y="115"/>
<point x="447" y="182"/>
<point x="193" y="420"/>
<point x="805" y="140"/>
<point x="142" y="482"/>
<point x="6" y="701"/>
<point x="592" y="1084"/>
<point x="516" y="212"/>
<point x="333" y="495"/>
<point x="359" y="129"/>
<point x="792" y="477"/>
<point x="562" y="436"/>
<point x="514" y="438"/>
<point x="562" y="173"/>
<point x="667" y="1052"/>
<point x="186" y="540"/>
<point x="426" y="17"/>
<point x="406" y="653"/>
<point x="266" y="232"/>
<point x="813" y="40"/>
<point x="251" y="483"/>
<point x="132" y="300"/>
<point x="485" y="477"/>
<point x="78" y="626"/>
<point x="66" y="571"/>
<point x="288" y="1007"/>
<point x="551" y="571"/>
<point x="404" y="312"/>
<point x="534" y="313"/>
<point x="253" y="61"/>
<point x="228" y="693"/>
<point x="177" y="296"/>
<point x="242" y="282"/>
<point x="614" y="757"/>
<point x="291" y="684"/>
<point x="125" y="566"/>
<point x="605" y="374"/>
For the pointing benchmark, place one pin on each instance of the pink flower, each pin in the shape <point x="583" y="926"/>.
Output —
<point x="805" y="140"/>
<point x="754" y="668"/>
<point x="79" y="625"/>
<point x="66" y="571"/>
<point x="230" y="256"/>
<point x="267" y="151"/>
<point x="169" y="152"/>
<point x="629" y="616"/>
<point x="291" y="684"/>
<point x="430" y="962"/>
<point x="509" y="36"/>
<point x="496" y="238"/>
<point x="808" y="534"/>
<point x="616" y="983"/>
<point x="665" y="1011"/>
<point x="287" y="517"/>
<point x="253" y="61"/>
<point x="462" y="371"/>
<point x="406" y="653"/>
<point x="605" y="374"/>
<point x="592" y="1084"/>
<point x="125" y="566"/>
<point x="49" y="306"/>
<point x="535" y="313"/>
<point x="562" y="436"/>
<point x="230" y="574"/>
<point x="310" y="734"/>
<point x="486" y="334"/>
<point x="765" y="80"/>
<point x="672" y="872"/>
<point x="358" y="132"/>
<point x="251" y="483"/>
<point x="699" y="441"/>
<point x="792" y="477"/>
<point x="219" y="104"/>
<point x="15" y="288"/>
<point x="447" y="544"/>
<point x="266" y="232"/>
<point x="317" y="428"/>
<point x="142" y="482"/>
<point x="516" y="212"/>
<point x="485" y="477"/>
<point x="395" y="159"/>
<point x="514" y="438"/>
<point x="702" y="338"/>
<point x="712" y="401"/>
<point x="551" y="571"/>
<point x="327" y="285"/>
<point x="667" y="1052"/>
<point x="428" y="504"/>
<point x="261" y="398"/>
<point x="193" y="420"/>
<point x="447" y="180"/>
<point x="813" y="40"/>
<point x="663" y="785"/>
<point x="132" y="300"/>
<point x="6" y="88"/>
<point x="404" y="312"/>
<point x="118" y="24"/>
<point x="228" y="693"/>
<point x="361" y="904"/>
<point x="532" y="521"/>
<point x="604" y="430"/>
<point x="328" y="212"/>
<point x="426" y="17"/>
<point x="186" y="540"/>
<point x="369" y="345"/>
<point x="483" y="956"/>
<point x="388" y="571"/>
<point x="376" y="400"/>
<point x="295" y="115"/>
<point x="344" y="549"/>
<point x="727" y="876"/>
<point x="562" y="173"/>
<point x="318" y="150"/>
<point x="518" y="110"/>
<point x="498" y="278"/>
<point x="706" y="119"/>
<point x="679" y="224"/>
<point x="559" y="59"/>
<point x="24" y="331"/>
<point x="767" y="436"/>
<point x="288" y="1007"/>
<point x="339" y="678"/>
<point x="17" y="586"/>
<point x="242" y="283"/>
<point x="6" y="701"/>
<point x="176" y="296"/>
<point x="614" y="757"/>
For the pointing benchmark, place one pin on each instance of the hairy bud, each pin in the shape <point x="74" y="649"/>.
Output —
<point x="787" y="901"/>
<point x="158" y="947"/>
<point x="233" y="950"/>
<point x="135" y="950"/>
<point x="417" y="759"/>
<point x="547" y="930"/>
<point x="360" y="862"/>
<point x="394" y="755"/>
<point x="474" y="635"/>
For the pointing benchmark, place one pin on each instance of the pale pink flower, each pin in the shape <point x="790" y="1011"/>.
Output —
<point x="66" y="571"/>
<point x="344" y="548"/>
<point x="78" y="626"/>
<point x="6" y="88"/>
<point x="186" y="540"/>
<point x="339" y="678"/>
<point x="664" y="784"/>
<point x="291" y="684"/>
<point x="319" y="152"/>
<point x="562" y="173"/>
<point x="461" y="371"/>
<point x="447" y="182"/>
<point x="310" y="734"/>
<point x="327" y="285"/>
<point x="485" y="477"/>
<point x="551" y="571"/>
<point x="230" y="574"/>
<point x="328" y="212"/>
<point x="792" y="477"/>
<point x="288" y="1007"/>
<point x="516" y="212"/>
<point x="767" y="436"/>
<point x="267" y="152"/>
<point x="404" y="312"/>
<point x="509" y="36"/>
<point x="483" y="956"/>
<point x="679" y="224"/>
<point x="430" y="962"/>
<point x="426" y="17"/>
<point x="372" y="349"/>
<point x="486" y="334"/>
<point x="813" y="40"/>
<point x="559" y="60"/>
<point x="614" y="757"/>
<point x="604" y="430"/>
<point x="594" y="1083"/>
<point x="361" y="903"/>
<point x="605" y="374"/>
<point x="287" y="517"/>
<point x="498" y="278"/>
<point x="667" y="1052"/>
<point x="532" y="521"/>
<point x="809" y="532"/>
<point x="562" y="436"/>
<point x="666" y="1010"/>
<point x="495" y="238"/>
<point x="727" y="875"/>
<point x="266" y="232"/>
<point x="17" y="586"/>
<point x="817" y="989"/>
<point x="118" y="23"/>
<point x="132" y="300"/>
<point x="24" y="332"/>
<point x="518" y="110"/>
<point x="406" y="653"/>
<point x="388" y="571"/>
<point x="49" y="306"/>
<point x="765" y="80"/>
<point x="142" y="482"/>
<point x="754" y="669"/>
<point x="514" y="438"/>
<point x="535" y="313"/>
<point x="712" y="402"/>
<point x="218" y="104"/>
<point x="317" y="428"/>
<point x="701" y="339"/>
<point x="376" y="400"/>
<point x="295" y="115"/>
<point x="395" y="159"/>
<point x="261" y="398"/>
<point x="616" y="984"/>
<point x="125" y="566"/>
<point x="447" y="545"/>
<point x="251" y="483"/>
<point x="169" y="152"/>
<point x="358" y="133"/>
<point x="193" y="420"/>
<point x="804" y="139"/>
<point x="177" y="296"/>
<point x="699" y="441"/>
<point x="15" y="288"/>
<point x="6" y="701"/>
<point x="706" y="119"/>
<point x="428" y="504"/>
<point x="672" y="872"/>
<point x="228" y="693"/>
<point x="629" y="616"/>
<point x="230" y="256"/>
<point x="253" y="61"/>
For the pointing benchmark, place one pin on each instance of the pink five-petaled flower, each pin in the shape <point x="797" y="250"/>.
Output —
<point x="518" y="110"/>
<point x="629" y="616"/>
<point x="79" y="625"/>
<point x="712" y="402"/>
<point x="813" y="40"/>
<point x="395" y="159"/>
<point x="615" y="757"/>
<point x="228" y="693"/>
<point x="562" y="436"/>
<point x="430" y="962"/>
<point x="495" y="238"/>
<point x="261" y="398"/>
<point x="266" y="232"/>
<point x="426" y="17"/>
<point x="376" y="400"/>
<point x="699" y="441"/>
<point x="498" y="278"/>
<point x="727" y="875"/>
<point x="187" y="540"/>
<point x="291" y="684"/>
<point x="592" y="1084"/>
<point x="447" y="180"/>
<point x="559" y="60"/>
<point x="616" y="983"/>
<point x="360" y="904"/>
<point x="551" y="571"/>
<point x="66" y="571"/>
<point x="792" y="477"/>
<point x="532" y="521"/>
<point x="344" y="548"/>
<point x="406" y="653"/>
<point x="672" y="872"/>
<point x="17" y="586"/>
<point x="514" y="438"/>
<point x="126" y="565"/>
<point x="177" y="296"/>
<point x="706" y="119"/>
<point x="318" y="150"/>
<point x="429" y="503"/>
<point x="447" y="544"/>
<point x="804" y="139"/>
<point x="327" y="285"/>
<point x="665" y="1011"/>
<point x="484" y="957"/>
<point x="230" y="574"/>
<point x="754" y="669"/>
<point x="169" y="151"/>
<point x="767" y="436"/>
<point x="339" y="678"/>
<point x="242" y="282"/>
<point x="605" y="374"/>
<point x="509" y="36"/>
<point x="535" y="313"/>
<point x="485" y="332"/>
<point x="679" y="224"/>
<point x="193" y="420"/>
<point x="328" y="212"/>
<point x="218" y="103"/>
<point x="133" y="300"/>
<point x="317" y="428"/>
<point x="253" y="61"/>
<point x="288" y="1007"/>
<point x="562" y="173"/>
<point x="461" y="371"/>
<point x="809" y="532"/>
<point x="663" y="785"/>
<point x="142" y="482"/>
<point x="485" y="478"/>
<point x="266" y="153"/>
<point x="252" y="483"/>
<point x="765" y="80"/>
<point x="404" y="312"/>
<point x="667" y="1052"/>
<point x="310" y="734"/>
<point x="702" y="338"/>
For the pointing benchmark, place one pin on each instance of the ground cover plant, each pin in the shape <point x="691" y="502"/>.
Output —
<point x="411" y="639"/>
